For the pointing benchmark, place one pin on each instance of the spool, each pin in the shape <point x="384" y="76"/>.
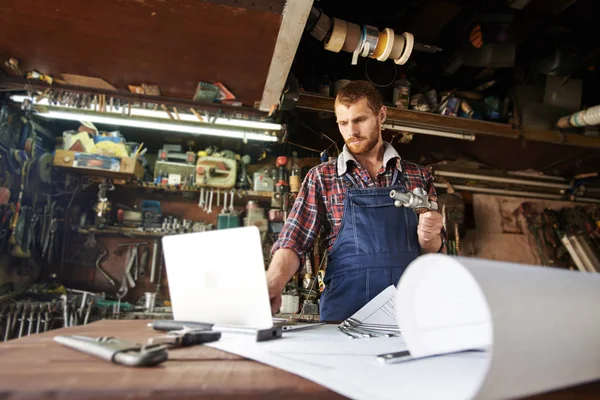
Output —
<point x="397" y="47"/>
<point x="323" y="26"/>
<point x="353" y="36"/>
<point x="410" y="41"/>
<point x="371" y="38"/>
<point x="289" y="304"/>
<point x="335" y="40"/>
<point x="389" y="45"/>
<point x="381" y="43"/>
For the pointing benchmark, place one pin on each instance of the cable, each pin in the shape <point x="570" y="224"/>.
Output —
<point x="375" y="84"/>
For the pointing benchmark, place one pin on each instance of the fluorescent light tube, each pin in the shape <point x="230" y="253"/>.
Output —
<point x="462" y="136"/>
<point x="140" y="112"/>
<point x="159" y="124"/>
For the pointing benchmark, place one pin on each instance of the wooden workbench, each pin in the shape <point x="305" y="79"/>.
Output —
<point x="37" y="367"/>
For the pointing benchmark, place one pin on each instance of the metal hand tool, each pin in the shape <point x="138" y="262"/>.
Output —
<point x="117" y="351"/>
<point x="65" y="309"/>
<point x="143" y="261"/>
<point x="402" y="356"/>
<point x="418" y="200"/>
<point x="22" y="319"/>
<point x="186" y="337"/>
<point x="102" y="271"/>
<point x="154" y="261"/>
<point x="261" y="334"/>
<point x="9" y="322"/>
<point x="231" y="209"/>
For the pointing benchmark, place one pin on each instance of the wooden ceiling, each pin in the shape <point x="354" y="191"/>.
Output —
<point x="174" y="44"/>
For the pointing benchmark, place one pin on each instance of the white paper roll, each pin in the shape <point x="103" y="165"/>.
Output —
<point x="541" y="324"/>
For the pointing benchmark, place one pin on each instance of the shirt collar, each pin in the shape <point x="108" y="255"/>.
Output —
<point x="389" y="153"/>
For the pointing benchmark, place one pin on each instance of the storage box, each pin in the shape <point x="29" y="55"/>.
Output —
<point x="95" y="164"/>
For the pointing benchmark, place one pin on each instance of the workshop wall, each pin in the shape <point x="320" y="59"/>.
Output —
<point x="512" y="229"/>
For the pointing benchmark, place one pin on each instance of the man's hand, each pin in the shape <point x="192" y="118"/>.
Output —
<point x="275" y="289"/>
<point x="428" y="231"/>
<point x="283" y="266"/>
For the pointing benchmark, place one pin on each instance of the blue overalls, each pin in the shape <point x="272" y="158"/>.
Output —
<point x="375" y="243"/>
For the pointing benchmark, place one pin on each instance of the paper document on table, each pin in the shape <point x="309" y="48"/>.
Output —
<point x="380" y="310"/>
<point x="539" y="326"/>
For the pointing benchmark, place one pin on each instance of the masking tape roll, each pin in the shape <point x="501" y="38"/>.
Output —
<point x="353" y="36"/>
<point x="381" y="43"/>
<point x="398" y="47"/>
<point x="410" y="41"/>
<point x="336" y="39"/>
<point x="323" y="26"/>
<point x="371" y="35"/>
<point x="387" y="50"/>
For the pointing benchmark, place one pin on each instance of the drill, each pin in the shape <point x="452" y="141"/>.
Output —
<point x="281" y="186"/>
<point x="418" y="200"/>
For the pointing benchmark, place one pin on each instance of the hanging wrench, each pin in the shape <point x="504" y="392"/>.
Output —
<point x="201" y="201"/>
<point x="218" y="198"/>
<point x="232" y="193"/>
<point x="99" y="268"/>
<point x="224" y="210"/>
<point x="210" y="199"/>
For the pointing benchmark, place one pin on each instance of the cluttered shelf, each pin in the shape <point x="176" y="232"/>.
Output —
<point x="425" y="120"/>
<point x="167" y="189"/>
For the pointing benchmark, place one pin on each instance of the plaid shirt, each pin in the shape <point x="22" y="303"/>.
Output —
<point x="320" y="201"/>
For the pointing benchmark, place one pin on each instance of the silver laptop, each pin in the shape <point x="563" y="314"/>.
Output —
<point x="218" y="277"/>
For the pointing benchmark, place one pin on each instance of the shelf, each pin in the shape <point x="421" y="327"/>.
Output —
<point x="151" y="187"/>
<point x="424" y="120"/>
<point x="117" y="231"/>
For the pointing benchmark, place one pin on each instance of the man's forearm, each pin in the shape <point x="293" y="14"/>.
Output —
<point x="432" y="246"/>
<point x="284" y="265"/>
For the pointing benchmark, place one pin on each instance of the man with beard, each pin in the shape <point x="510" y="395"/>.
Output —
<point x="369" y="241"/>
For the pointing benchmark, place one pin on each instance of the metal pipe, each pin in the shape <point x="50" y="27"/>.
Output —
<point x="589" y="116"/>
<point x="566" y="240"/>
<point x="462" y="136"/>
<point x="586" y="253"/>
<point x="516" y="193"/>
<point x="501" y="179"/>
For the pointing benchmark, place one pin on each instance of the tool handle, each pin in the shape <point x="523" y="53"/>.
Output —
<point x="170" y="325"/>
<point x="199" y="337"/>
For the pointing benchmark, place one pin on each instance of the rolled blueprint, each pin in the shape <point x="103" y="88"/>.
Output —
<point x="541" y="325"/>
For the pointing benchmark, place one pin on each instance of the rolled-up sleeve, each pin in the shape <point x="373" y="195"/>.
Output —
<point x="304" y="221"/>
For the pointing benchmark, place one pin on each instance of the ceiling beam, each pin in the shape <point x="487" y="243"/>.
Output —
<point x="295" y="15"/>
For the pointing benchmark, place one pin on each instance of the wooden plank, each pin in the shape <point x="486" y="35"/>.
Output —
<point x="295" y="15"/>
<point x="174" y="44"/>
<point x="37" y="367"/>
<point x="556" y="137"/>
<point x="418" y="119"/>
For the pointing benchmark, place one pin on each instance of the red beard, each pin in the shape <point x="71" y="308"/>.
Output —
<point x="364" y="146"/>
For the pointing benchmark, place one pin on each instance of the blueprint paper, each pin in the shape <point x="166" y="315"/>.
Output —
<point x="349" y="366"/>
<point x="541" y="324"/>
<point x="380" y="310"/>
